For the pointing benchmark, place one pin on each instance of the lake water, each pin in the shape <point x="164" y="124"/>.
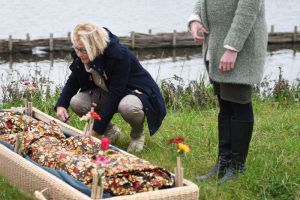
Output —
<point x="40" y="18"/>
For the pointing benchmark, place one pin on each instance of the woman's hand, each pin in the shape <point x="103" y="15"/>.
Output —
<point x="227" y="61"/>
<point x="62" y="114"/>
<point x="198" y="31"/>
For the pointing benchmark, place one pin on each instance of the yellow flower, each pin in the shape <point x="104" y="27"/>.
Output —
<point x="182" y="147"/>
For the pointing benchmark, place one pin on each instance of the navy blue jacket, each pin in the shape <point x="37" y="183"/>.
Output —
<point x="124" y="74"/>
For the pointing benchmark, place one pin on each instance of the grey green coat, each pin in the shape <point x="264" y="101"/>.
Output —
<point x="240" y="24"/>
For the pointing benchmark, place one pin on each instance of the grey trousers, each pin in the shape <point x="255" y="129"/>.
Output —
<point x="130" y="107"/>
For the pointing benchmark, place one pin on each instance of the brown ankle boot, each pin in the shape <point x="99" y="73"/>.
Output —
<point x="112" y="132"/>
<point x="137" y="141"/>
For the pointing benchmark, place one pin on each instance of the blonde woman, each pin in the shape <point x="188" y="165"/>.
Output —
<point x="108" y="74"/>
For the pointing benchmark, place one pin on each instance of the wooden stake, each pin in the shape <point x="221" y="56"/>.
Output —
<point x="16" y="143"/>
<point x="51" y="43"/>
<point x="100" y="188"/>
<point x="178" y="173"/>
<point x="29" y="105"/>
<point x="91" y="126"/>
<point x="295" y="34"/>
<point x="272" y="28"/>
<point x="132" y="39"/>
<point x="10" y="43"/>
<point x="27" y="37"/>
<point x="174" y="40"/>
<point x="92" y="119"/>
<point x="85" y="129"/>
<point x="94" y="184"/>
<point x="26" y="107"/>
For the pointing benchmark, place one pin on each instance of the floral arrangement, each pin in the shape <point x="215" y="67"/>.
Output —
<point x="100" y="161"/>
<point x="28" y="94"/>
<point x="182" y="149"/>
<point x="89" y="118"/>
<point x="29" y="90"/>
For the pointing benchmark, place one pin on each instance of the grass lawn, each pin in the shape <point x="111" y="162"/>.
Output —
<point x="273" y="162"/>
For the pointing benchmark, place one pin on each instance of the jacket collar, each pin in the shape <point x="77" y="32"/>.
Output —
<point x="97" y="64"/>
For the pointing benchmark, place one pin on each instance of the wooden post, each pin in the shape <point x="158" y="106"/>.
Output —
<point x="149" y="31"/>
<point x="29" y="105"/>
<point x="11" y="61"/>
<point x="295" y="34"/>
<point x="27" y="37"/>
<point x="51" y="60"/>
<point x="16" y="143"/>
<point x="10" y="43"/>
<point x="272" y="28"/>
<point x="174" y="39"/>
<point x="132" y="39"/>
<point x="92" y="121"/>
<point x="26" y="107"/>
<point x="85" y="129"/>
<point x="178" y="173"/>
<point x="97" y="188"/>
<point x="174" y="55"/>
<point x="51" y="42"/>
<point x="69" y="36"/>
<point x="94" y="184"/>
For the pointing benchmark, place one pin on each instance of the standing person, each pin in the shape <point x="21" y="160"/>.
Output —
<point x="234" y="37"/>
<point x="108" y="74"/>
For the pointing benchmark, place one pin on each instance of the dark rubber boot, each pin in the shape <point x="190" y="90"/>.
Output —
<point x="241" y="133"/>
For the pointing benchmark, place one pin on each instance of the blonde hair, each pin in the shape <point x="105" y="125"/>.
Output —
<point x="94" y="38"/>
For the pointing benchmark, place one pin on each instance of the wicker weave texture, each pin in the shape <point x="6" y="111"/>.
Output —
<point x="30" y="177"/>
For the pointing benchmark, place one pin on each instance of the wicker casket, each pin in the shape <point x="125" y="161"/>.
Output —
<point x="31" y="177"/>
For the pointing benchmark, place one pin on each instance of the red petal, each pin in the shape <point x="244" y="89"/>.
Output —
<point x="136" y="185"/>
<point x="9" y="124"/>
<point x="76" y="170"/>
<point x="91" y="142"/>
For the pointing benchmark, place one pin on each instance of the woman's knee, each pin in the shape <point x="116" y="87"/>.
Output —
<point x="80" y="105"/>
<point x="131" y="108"/>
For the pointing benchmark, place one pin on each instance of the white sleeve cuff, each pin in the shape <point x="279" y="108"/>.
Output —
<point x="230" y="48"/>
<point x="193" y="17"/>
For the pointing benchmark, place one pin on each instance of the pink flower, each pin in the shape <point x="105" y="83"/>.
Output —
<point x="101" y="160"/>
<point x="25" y="82"/>
<point x="105" y="143"/>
